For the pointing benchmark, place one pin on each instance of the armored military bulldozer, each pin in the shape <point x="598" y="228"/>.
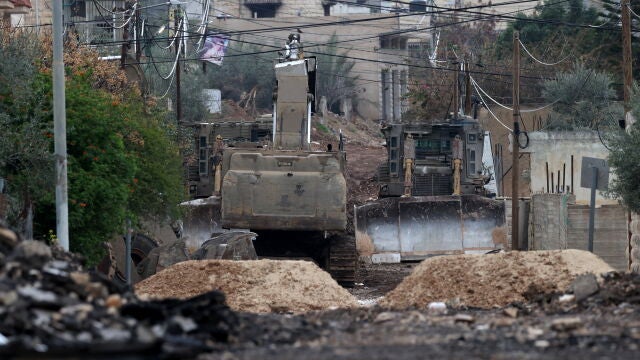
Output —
<point x="273" y="184"/>
<point x="432" y="198"/>
<point x="258" y="189"/>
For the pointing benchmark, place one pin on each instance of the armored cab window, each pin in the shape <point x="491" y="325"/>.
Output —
<point x="393" y="156"/>
<point x="202" y="155"/>
<point x="471" y="161"/>
<point x="446" y="145"/>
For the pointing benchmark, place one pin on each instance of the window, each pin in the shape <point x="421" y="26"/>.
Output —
<point x="79" y="8"/>
<point x="393" y="42"/>
<point x="446" y="145"/>
<point x="262" y="8"/>
<point x="394" y="141"/>
<point x="472" y="138"/>
<point x="471" y="169"/>
<point x="203" y="141"/>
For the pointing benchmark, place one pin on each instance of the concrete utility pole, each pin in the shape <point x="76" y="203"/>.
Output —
<point x="467" y="89"/>
<point x="178" y="43"/>
<point x="60" y="130"/>
<point x="125" y="38"/>
<point x="626" y="62"/>
<point x="456" y="90"/>
<point x="515" y="171"/>
<point x="138" y="33"/>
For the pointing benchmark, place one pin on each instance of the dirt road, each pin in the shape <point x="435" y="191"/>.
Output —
<point x="605" y="325"/>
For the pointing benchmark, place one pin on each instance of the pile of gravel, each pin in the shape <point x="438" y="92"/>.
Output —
<point x="258" y="286"/>
<point x="491" y="280"/>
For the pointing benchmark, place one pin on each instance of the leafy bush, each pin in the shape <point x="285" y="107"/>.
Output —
<point x="121" y="161"/>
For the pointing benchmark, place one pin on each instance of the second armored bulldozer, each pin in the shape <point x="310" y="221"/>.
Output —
<point x="432" y="199"/>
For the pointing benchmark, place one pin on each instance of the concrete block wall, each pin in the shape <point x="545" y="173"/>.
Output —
<point x="610" y="233"/>
<point x="557" y="223"/>
<point x="548" y="227"/>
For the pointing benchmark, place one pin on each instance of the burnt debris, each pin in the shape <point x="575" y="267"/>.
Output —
<point x="50" y="306"/>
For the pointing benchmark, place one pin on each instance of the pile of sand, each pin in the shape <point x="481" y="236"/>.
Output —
<point x="492" y="280"/>
<point x="258" y="286"/>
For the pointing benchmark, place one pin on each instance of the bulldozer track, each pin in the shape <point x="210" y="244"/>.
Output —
<point x="343" y="259"/>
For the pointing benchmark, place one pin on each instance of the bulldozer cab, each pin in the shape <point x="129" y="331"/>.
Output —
<point x="434" y="151"/>
<point x="446" y="212"/>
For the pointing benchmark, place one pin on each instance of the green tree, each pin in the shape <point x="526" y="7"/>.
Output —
<point x="624" y="158"/>
<point x="334" y="80"/>
<point x="582" y="97"/>
<point x="121" y="160"/>
<point x="241" y="73"/>
<point x="25" y="157"/>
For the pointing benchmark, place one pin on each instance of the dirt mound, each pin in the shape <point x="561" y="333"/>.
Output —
<point x="492" y="280"/>
<point x="258" y="286"/>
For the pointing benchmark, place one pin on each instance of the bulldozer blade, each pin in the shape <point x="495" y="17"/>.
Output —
<point x="201" y="221"/>
<point x="233" y="245"/>
<point x="422" y="226"/>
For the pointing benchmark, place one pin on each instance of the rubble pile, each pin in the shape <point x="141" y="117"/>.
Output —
<point x="615" y="289"/>
<point x="491" y="280"/>
<point x="50" y="304"/>
<point x="257" y="286"/>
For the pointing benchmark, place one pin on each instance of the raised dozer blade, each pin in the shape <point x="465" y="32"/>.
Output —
<point x="413" y="228"/>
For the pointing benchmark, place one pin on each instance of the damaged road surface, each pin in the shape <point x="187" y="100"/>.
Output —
<point x="604" y="325"/>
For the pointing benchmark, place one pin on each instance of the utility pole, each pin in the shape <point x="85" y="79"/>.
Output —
<point x="626" y="62"/>
<point x="456" y="90"/>
<point x="178" y="43"/>
<point x="467" y="89"/>
<point x="515" y="171"/>
<point x="60" y="130"/>
<point x="138" y="33"/>
<point x="125" y="37"/>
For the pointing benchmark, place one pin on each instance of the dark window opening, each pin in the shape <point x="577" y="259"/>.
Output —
<point x="79" y="8"/>
<point x="263" y="11"/>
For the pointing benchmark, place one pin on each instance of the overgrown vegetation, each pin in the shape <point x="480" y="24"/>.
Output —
<point x="582" y="98"/>
<point x="335" y="81"/>
<point x="121" y="163"/>
<point x="624" y="158"/>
